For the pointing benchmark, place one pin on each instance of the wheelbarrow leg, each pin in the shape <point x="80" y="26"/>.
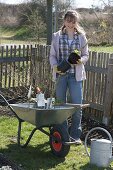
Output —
<point x="19" y="135"/>
<point x="19" y="132"/>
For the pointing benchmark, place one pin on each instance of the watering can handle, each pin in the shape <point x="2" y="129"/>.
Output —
<point x="96" y="128"/>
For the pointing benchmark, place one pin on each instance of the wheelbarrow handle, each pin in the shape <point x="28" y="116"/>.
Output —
<point x="79" y="106"/>
<point x="6" y="102"/>
<point x="4" y="99"/>
<point x="9" y="106"/>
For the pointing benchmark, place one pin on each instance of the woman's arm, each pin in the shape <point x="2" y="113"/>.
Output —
<point x="53" y="53"/>
<point x="84" y="49"/>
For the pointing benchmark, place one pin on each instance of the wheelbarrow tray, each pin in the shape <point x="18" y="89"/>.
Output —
<point x="58" y="135"/>
<point x="29" y="112"/>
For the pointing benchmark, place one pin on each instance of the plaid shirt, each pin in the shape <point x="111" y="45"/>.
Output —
<point x="65" y="49"/>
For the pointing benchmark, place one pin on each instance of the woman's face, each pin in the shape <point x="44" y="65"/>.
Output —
<point x="69" y="24"/>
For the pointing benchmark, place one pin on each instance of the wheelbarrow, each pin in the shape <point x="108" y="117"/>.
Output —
<point x="50" y="118"/>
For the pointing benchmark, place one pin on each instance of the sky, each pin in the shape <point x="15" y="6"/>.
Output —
<point x="78" y="3"/>
<point x="89" y="3"/>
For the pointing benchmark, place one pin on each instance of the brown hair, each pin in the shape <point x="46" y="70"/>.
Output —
<point x="73" y="16"/>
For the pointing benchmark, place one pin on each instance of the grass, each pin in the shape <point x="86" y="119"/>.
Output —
<point x="37" y="155"/>
<point x="106" y="49"/>
<point x="17" y="35"/>
<point x="10" y="36"/>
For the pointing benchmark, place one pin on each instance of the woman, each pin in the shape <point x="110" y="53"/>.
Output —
<point x="71" y="37"/>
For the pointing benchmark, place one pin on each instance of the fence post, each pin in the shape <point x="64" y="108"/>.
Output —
<point x="108" y="93"/>
<point x="33" y="66"/>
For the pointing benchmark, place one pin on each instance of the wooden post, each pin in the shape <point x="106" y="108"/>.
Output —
<point x="33" y="66"/>
<point x="49" y="21"/>
<point x="108" y="93"/>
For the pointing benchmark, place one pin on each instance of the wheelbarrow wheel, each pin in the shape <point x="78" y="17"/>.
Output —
<point x="58" y="147"/>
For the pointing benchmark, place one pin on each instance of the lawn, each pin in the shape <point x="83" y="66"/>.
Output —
<point x="37" y="155"/>
<point x="16" y="36"/>
<point x="105" y="49"/>
<point x="21" y="36"/>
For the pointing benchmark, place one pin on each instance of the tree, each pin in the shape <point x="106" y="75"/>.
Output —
<point x="49" y="21"/>
<point x="32" y="16"/>
<point x="36" y="25"/>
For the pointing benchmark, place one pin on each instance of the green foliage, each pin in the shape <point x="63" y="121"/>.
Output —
<point x="36" y="25"/>
<point x="22" y="33"/>
<point x="15" y="33"/>
<point x="33" y="17"/>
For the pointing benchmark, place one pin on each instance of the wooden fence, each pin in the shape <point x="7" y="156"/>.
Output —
<point x="96" y="85"/>
<point x="14" y="66"/>
<point x="25" y="65"/>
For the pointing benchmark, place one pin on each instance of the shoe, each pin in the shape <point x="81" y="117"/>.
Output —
<point x="78" y="141"/>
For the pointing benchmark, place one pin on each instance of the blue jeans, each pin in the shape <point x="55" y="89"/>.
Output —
<point x="68" y="82"/>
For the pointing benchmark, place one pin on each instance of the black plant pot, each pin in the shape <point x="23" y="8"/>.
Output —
<point x="64" y="66"/>
<point x="73" y="58"/>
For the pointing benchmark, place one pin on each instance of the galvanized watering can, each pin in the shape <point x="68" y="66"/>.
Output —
<point x="100" y="150"/>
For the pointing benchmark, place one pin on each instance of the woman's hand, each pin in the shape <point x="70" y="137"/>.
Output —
<point x="79" y="61"/>
<point x="55" y="69"/>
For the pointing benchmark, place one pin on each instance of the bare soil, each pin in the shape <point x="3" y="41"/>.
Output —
<point x="6" y="164"/>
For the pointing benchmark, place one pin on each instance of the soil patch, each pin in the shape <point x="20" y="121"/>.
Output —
<point x="6" y="164"/>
